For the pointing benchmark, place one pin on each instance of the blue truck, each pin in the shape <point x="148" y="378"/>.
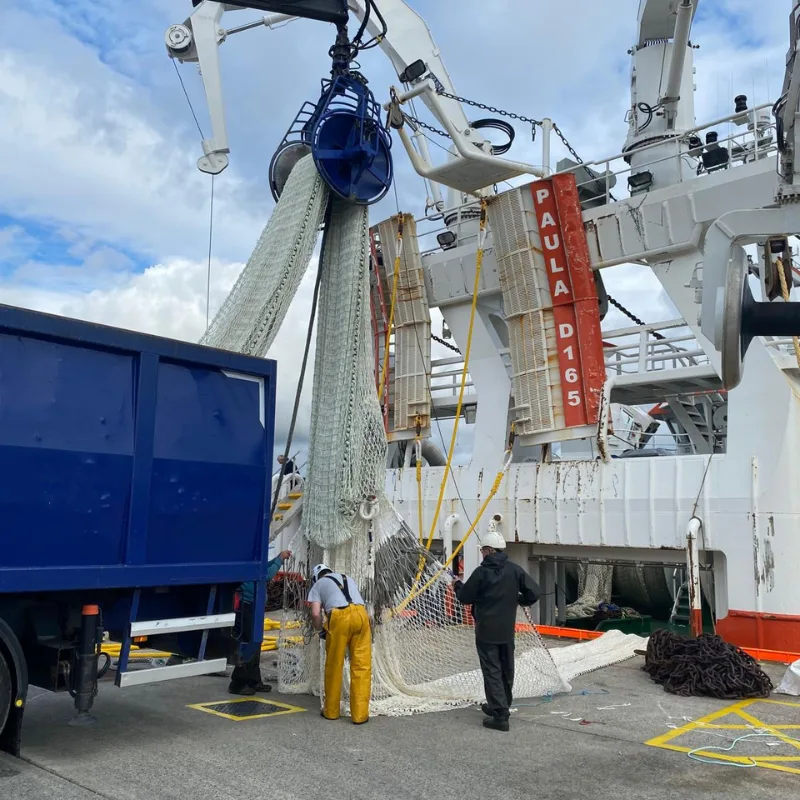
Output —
<point x="134" y="500"/>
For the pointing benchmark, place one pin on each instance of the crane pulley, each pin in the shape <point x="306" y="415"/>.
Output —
<point x="342" y="129"/>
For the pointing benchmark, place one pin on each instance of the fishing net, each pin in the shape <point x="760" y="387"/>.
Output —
<point x="424" y="656"/>
<point x="253" y="312"/>
<point x="347" y="453"/>
<point x="594" y="587"/>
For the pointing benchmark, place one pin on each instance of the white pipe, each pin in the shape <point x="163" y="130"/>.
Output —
<point x="693" y="565"/>
<point x="680" y="41"/>
<point x="267" y="21"/>
<point x="547" y="126"/>
<point x="447" y="535"/>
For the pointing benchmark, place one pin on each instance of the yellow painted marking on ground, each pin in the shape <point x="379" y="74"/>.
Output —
<point x="285" y="709"/>
<point x="742" y="710"/>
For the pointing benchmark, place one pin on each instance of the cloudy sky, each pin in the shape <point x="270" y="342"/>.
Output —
<point x="104" y="216"/>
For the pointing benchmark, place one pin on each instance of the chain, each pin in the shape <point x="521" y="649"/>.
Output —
<point x="510" y="114"/>
<point x="706" y="666"/>
<point x="557" y="132"/>
<point x="491" y="109"/>
<point x="425" y="125"/>
<point x="445" y="343"/>
<point x="631" y="316"/>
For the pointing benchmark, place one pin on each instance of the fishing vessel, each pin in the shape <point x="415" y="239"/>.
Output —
<point x="651" y="465"/>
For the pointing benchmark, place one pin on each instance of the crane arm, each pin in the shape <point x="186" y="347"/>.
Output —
<point x="409" y="44"/>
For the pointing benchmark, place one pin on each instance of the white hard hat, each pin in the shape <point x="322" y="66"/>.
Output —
<point x="494" y="540"/>
<point x="315" y="573"/>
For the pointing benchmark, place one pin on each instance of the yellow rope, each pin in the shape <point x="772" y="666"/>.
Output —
<point x="418" y="452"/>
<point x="456" y="550"/>
<point x="787" y="297"/>
<point x="390" y="327"/>
<point x="447" y="466"/>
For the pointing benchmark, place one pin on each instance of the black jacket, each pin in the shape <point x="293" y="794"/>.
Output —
<point x="494" y="590"/>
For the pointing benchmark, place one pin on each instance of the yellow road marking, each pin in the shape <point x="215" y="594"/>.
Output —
<point x="749" y="721"/>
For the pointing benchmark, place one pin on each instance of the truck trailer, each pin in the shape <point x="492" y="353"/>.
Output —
<point x="134" y="501"/>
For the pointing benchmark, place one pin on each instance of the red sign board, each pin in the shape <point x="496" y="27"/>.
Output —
<point x="575" y="308"/>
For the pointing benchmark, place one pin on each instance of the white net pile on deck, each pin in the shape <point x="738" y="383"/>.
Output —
<point x="424" y="656"/>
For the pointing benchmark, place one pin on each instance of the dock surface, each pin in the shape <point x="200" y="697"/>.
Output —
<point x="154" y="743"/>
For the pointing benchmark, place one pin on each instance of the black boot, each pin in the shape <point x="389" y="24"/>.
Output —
<point x="496" y="724"/>
<point x="242" y="689"/>
<point x="485" y="709"/>
<point x="261" y="687"/>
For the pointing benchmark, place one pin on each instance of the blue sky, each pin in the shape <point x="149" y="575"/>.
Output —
<point x="104" y="215"/>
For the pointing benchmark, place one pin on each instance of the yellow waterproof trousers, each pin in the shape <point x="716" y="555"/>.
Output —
<point x="348" y="629"/>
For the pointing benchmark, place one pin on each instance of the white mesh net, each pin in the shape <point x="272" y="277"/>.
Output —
<point x="424" y="656"/>
<point x="347" y="453"/>
<point x="251" y="315"/>
<point x="594" y="587"/>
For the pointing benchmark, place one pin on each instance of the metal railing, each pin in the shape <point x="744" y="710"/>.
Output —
<point x="746" y="144"/>
<point x="446" y="378"/>
<point x="651" y="348"/>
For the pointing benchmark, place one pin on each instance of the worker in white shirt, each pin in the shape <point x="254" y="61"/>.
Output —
<point x="347" y="628"/>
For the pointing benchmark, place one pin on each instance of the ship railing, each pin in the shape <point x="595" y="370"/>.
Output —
<point x="446" y="377"/>
<point x="747" y="143"/>
<point x="651" y="348"/>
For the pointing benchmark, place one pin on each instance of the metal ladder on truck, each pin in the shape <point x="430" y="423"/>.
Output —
<point x="155" y="627"/>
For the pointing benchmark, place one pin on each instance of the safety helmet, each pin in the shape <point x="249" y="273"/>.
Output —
<point x="318" y="570"/>
<point x="494" y="540"/>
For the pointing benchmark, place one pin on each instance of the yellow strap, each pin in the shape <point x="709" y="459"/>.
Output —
<point x="464" y="371"/>
<point x="498" y="479"/>
<point x="786" y="296"/>
<point x="418" y="452"/>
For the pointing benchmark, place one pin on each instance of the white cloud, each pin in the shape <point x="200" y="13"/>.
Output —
<point x="15" y="242"/>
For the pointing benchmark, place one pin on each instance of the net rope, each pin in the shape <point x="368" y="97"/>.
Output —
<point x="424" y="656"/>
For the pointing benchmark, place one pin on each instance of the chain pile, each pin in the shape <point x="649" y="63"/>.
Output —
<point x="704" y="667"/>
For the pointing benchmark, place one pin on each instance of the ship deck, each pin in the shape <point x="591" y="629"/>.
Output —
<point x="607" y="739"/>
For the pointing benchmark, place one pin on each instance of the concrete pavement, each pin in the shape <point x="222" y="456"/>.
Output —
<point x="148" y="743"/>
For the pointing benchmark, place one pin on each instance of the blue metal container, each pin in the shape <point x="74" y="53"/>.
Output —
<point x="129" y="460"/>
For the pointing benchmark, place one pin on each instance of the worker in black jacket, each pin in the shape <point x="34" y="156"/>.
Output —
<point x="494" y="590"/>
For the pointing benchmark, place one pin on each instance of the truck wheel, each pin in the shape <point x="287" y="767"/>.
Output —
<point x="6" y="691"/>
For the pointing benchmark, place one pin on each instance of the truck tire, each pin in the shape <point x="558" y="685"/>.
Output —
<point x="6" y="691"/>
